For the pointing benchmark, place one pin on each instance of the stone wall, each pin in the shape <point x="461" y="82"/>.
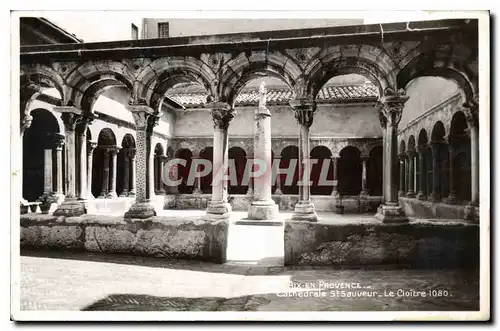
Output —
<point x="415" y="245"/>
<point x="167" y="237"/>
<point x="431" y="210"/>
<point x="343" y="121"/>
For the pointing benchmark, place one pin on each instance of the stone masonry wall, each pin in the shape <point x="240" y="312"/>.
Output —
<point x="168" y="237"/>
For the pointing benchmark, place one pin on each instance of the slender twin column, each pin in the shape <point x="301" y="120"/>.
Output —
<point x="222" y="114"/>
<point x="113" y="151"/>
<point x="126" y="172"/>
<point x="47" y="170"/>
<point x="423" y="174"/>
<point x="105" y="173"/>
<point x="435" y="195"/>
<point x="91" y="145"/>
<point x="133" y="175"/>
<point x="59" y="143"/>
<point x="402" y="174"/>
<point x="145" y="120"/>
<point x="304" y="114"/>
<point x="452" y="195"/>
<point x="279" y="190"/>
<point x="411" y="174"/>
<point x="71" y="116"/>
<point x="250" y="168"/>
<point x="263" y="206"/>
<point x="390" y="111"/>
<point x="335" y="163"/>
<point x="364" y="186"/>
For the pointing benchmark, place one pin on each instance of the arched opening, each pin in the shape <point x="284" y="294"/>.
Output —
<point x="374" y="171"/>
<point x="461" y="158"/>
<point x="321" y="170"/>
<point x="238" y="159"/>
<point x="102" y="163"/>
<point x="350" y="169"/>
<point x="289" y="160"/>
<point x="158" y="169"/>
<point x="125" y="167"/>
<point x="40" y="136"/>
<point x="185" y="187"/>
<point x="206" y="181"/>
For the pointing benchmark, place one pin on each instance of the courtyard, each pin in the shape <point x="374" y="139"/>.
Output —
<point x="112" y="282"/>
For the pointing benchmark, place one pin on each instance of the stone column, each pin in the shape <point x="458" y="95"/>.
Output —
<point x="304" y="114"/>
<point x="132" y="181"/>
<point x="126" y="172"/>
<point x="411" y="174"/>
<point x="250" y="179"/>
<point x="435" y="148"/>
<point x="71" y="206"/>
<point x="161" y="160"/>
<point x="113" y="151"/>
<point x="222" y="114"/>
<point x="364" y="189"/>
<point x="90" y="156"/>
<point x="263" y="206"/>
<point x="59" y="142"/>
<point x="471" y="110"/>
<point x="145" y="120"/>
<point x="279" y="190"/>
<point x="82" y="143"/>
<point x="452" y="196"/>
<point x="151" y="169"/>
<point x="105" y="174"/>
<point x="335" y="163"/>
<point x="402" y="175"/>
<point x="390" y="109"/>
<point x="47" y="171"/>
<point x="423" y="173"/>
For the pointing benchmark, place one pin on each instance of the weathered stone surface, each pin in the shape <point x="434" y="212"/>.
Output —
<point x="431" y="210"/>
<point x="417" y="244"/>
<point x="172" y="237"/>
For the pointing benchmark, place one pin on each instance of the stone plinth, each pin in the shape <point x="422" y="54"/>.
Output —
<point x="263" y="211"/>
<point x="167" y="237"/>
<point x="305" y="211"/>
<point x="141" y="210"/>
<point x="391" y="214"/>
<point x="70" y="207"/>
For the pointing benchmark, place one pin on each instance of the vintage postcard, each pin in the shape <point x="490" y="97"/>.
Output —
<point x="250" y="166"/>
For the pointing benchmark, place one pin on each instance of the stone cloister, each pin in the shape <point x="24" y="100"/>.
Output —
<point x="89" y="158"/>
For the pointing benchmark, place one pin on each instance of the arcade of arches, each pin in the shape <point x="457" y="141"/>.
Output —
<point x="115" y="123"/>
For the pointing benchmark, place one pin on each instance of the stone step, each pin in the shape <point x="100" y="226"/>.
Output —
<point x="254" y="243"/>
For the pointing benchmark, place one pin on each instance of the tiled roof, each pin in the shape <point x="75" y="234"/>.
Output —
<point x="333" y="93"/>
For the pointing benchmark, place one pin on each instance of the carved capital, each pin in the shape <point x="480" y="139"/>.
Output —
<point x="71" y="116"/>
<point x="471" y="111"/>
<point x="113" y="150"/>
<point x="142" y="115"/>
<point x="391" y="106"/>
<point x="402" y="156"/>
<point x="303" y="111"/>
<point x="58" y="140"/>
<point x="91" y="145"/>
<point x="26" y="120"/>
<point x="221" y="113"/>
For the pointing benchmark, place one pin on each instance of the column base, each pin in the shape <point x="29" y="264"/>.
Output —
<point x="278" y="192"/>
<point x="263" y="210"/>
<point x="196" y="191"/>
<point x="112" y="195"/>
<point x="140" y="210"/>
<point x="304" y="211"/>
<point x="249" y="192"/>
<point x="410" y="194"/>
<point x="421" y="196"/>
<point x="401" y="194"/>
<point x="451" y="199"/>
<point x="335" y="193"/>
<point x="131" y="194"/>
<point x="123" y="194"/>
<point x="218" y="209"/>
<point x="471" y="213"/>
<point x="434" y="197"/>
<point x="70" y="207"/>
<point x="391" y="214"/>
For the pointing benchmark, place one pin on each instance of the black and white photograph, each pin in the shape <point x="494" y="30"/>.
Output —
<point x="236" y="166"/>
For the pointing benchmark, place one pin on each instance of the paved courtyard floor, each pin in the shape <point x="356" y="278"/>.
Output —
<point x="86" y="281"/>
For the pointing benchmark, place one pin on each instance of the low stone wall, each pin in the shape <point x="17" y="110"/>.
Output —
<point x="169" y="237"/>
<point x="352" y="204"/>
<point x="416" y="244"/>
<point x="431" y="210"/>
